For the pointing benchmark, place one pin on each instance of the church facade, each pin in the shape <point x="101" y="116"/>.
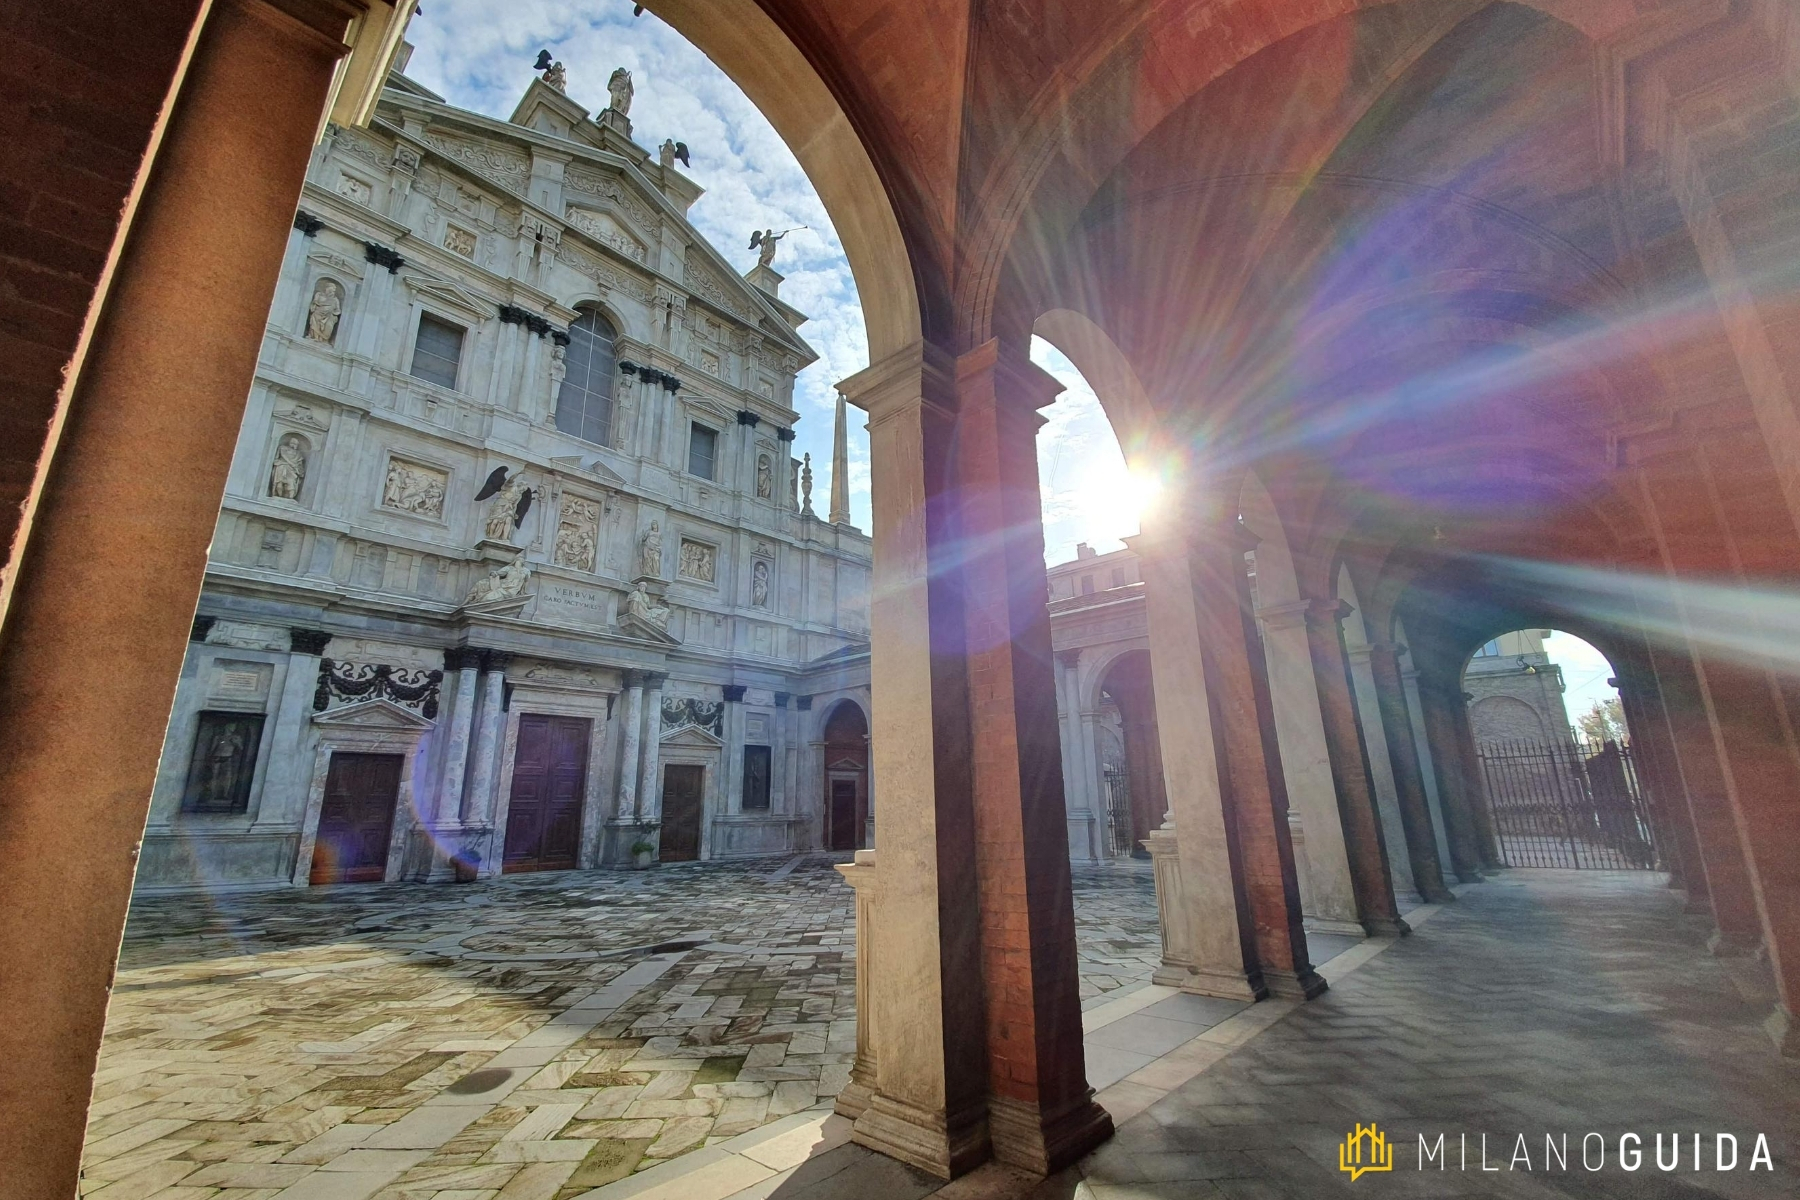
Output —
<point x="515" y="569"/>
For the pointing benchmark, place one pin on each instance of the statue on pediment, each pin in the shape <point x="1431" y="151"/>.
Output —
<point x="620" y="89"/>
<point x="642" y="606"/>
<point x="504" y="582"/>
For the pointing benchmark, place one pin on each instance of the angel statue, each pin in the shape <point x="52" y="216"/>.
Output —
<point x="620" y="89"/>
<point x="763" y="241"/>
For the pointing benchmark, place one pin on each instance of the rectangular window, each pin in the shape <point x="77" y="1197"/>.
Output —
<point x="1118" y="577"/>
<point x="1087" y="585"/>
<point x="703" y="450"/>
<point x="438" y="351"/>
<point x="224" y="761"/>
<point x="756" y="777"/>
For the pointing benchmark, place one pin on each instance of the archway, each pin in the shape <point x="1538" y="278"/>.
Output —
<point x="1133" y="783"/>
<point x="848" y="819"/>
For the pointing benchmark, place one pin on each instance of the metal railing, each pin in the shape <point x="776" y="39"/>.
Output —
<point x="1569" y="804"/>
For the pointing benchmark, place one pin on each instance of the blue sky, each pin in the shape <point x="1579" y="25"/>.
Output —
<point x="478" y="55"/>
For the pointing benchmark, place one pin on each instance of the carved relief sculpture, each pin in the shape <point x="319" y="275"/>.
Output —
<point x="650" y="552"/>
<point x="504" y="582"/>
<point x="759" y="584"/>
<point x="577" y="532"/>
<point x="288" y="471"/>
<point x="647" y="608"/>
<point x="459" y="241"/>
<point x="620" y="89"/>
<point x="698" y="561"/>
<point x="415" y="489"/>
<point x="765" y="477"/>
<point x="326" y="309"/>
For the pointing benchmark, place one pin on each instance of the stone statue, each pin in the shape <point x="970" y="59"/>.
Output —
<point x="665" y="153"/>
<point x="556" y="77"/>
<point x="323" y="313"/>
<point x="765" y="477"/>
<point x="619" y="87"/>
<point x="500" y="514"/>
<point x="650" y="551"/>
<point x="759" y="584"/>
<point x="504" y="582"/>
<point x="646" y="608"/>
<point x="559" y="367"/>
<point x="763" y="242"/>
<point x="288" y="471"/>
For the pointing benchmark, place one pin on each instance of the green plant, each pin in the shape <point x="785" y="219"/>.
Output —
<point x="642" y="846"/>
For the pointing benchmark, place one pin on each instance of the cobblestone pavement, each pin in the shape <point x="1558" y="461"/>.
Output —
<point x="526" y="1039"/>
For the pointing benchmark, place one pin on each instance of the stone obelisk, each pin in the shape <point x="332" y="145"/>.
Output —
<point x="840" y="468"/>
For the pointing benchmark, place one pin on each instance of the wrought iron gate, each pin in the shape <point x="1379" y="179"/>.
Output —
<point x="1569" y="804"/>
<point x="1118" y="810"/>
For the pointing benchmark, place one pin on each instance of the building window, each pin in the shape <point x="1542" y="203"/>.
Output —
<point x="438" y="351"/>
<point x="1491" y="650"/>
<point x="756" y="777"/>
<point x="1118" y="577"/>
<point x="1087" y="585"/>
<point x="224" y="760"/>
<point x="703" y="450"/>
<point x="584" y="405"/>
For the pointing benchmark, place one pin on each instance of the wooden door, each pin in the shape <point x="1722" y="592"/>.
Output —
<point x="683" y="787"/>
<point x="543" y="819"/>
<point x="845" y="831"/>
<point x="357" y="818"/>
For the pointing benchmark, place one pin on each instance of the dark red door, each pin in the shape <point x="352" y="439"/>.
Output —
<point x="543" y="820"/>
<point x="357" y="818"/>
<point x="844" y="832"/>
<point x="681" y="812"/>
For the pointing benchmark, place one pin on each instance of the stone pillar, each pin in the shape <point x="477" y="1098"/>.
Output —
<point x="1041" y="1113"/>
<point x="734" y="749"/>
<point x="1409" y="777"/>
<point x="464" y="663"/>
<point x="1084" y="842"/>
<point x="1087" y="766"/>
<point x="490" y="721"/>
<point x="855" y="1098"/>
<point x="631" y="729"/>
<point x="1481" y="813"/>
<point x="1294" y="697"/>
<point x="1375" y="905"/>
<point x="1381" y="773"/>
<point x="1415" y="709"/>
<point x="928" y="1104"/>
<point x="287" y="777"/>
<point x="650" y="773"/>
<point x="798" y="748"/>
<point x="1438" y="700"/>
<point x="1659" y="780"/>
<point x="108" y="571"/>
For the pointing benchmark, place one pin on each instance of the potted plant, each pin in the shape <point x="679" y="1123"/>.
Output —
<point x="643" y="851"/>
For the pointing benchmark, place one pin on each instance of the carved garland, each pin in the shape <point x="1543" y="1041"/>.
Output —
<point x="510" y="171"/>
<point x="686" y="712"/>
<point x="357" y="681"/>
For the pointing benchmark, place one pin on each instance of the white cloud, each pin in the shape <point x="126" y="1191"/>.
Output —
<point x="1585" y="672"/>
<point x="478" y="55"/>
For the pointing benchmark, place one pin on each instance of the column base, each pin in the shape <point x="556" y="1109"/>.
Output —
<point x="1288" y="985"/>
<point x="1437" y="895"/>
<point x="1387" y="927"/>
<point x="853" y="1101"/>
<point x="1224" y="985"/>
<point x="1024" y="1136"/>
<point x="1783" y="1031"/>
<point x="1725" y="945"/>
<point x="1336" y="925"/>
<point x="1468" y="877"/>
<point x="945" y="1145"/>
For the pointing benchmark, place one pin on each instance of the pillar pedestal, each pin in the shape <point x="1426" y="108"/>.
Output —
<point x="1180" y="966"/>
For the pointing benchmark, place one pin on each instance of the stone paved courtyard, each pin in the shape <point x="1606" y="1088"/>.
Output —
<point x="526" y="1039"/>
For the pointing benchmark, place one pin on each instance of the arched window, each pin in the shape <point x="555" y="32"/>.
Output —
<point x="584" y="406"/>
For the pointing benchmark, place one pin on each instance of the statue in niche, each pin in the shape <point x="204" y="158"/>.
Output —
<point x="504" y="582"/>
<point x="323" y="313"/>
<point x="288" y="471"/>
<point x="759" y="584"/>
<point x="765" y="477"/>
<point x="559" y="368"/>
<point x="646" y="608"/>
<point x="650" y="551"/>
<point x="502" y="516"/>
<point x="620" y="89"/>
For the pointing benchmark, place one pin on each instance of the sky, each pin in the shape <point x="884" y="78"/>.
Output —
<point x="478" y="55"/>
<point x="1585" y="672"/>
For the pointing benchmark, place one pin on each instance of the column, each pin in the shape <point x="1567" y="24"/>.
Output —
<point x="1087" y="766"/>
<point x="650" y="775"/>
<point x="928" y="1105"/>
<point x="1409" y="777"/>
<point x="464" y="664"/>
<point x="631" y="723"/>
<point x="1306" y="765"/>
<point x="1375" y="905"/>
<point x="1041" y="1113"/>
<point x="1415" y="709"/>
<point x="1381" y="772"/>
<point x="286" y="779"/>
<point x="490" y="720"/>
<point x="779" y="799"/>
<point x="1083" y="811"/>
<point x="798" y="745"/>
<point x="110" y="567"/>
<point x="734" y="749"/>
<point x="1438" y="698"/>
<point x="1481" y="813"/>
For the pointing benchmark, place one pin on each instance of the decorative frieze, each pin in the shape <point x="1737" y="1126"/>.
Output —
<point x="504" y="167"/>
<point x="691" y="712"/>
<point x="377" y="681"/>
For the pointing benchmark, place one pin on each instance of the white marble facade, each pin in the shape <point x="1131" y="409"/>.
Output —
<point x="418" y="344"/>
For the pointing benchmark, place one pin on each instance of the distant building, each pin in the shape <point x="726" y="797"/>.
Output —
<point x="1517" y="691"/>
<point x="515" y="569"/>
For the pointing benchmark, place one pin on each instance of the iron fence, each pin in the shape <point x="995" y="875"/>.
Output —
<point x="1568" y="804"/>
<point x="1118" y="810"/>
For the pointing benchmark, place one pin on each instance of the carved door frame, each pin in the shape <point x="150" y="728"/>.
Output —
<point x="555" y="699"/>
<point x="366" y="727"/>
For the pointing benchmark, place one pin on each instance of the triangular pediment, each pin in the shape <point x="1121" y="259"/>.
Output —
<point x="372" y="714"/>
<point x="607" y="229"/>
<point x="633" y="627"/>
<point x="596" y="468"/>
<point x="692" y="735"/>
<point x="844" y="764"/>
<point x="448" y="295"/>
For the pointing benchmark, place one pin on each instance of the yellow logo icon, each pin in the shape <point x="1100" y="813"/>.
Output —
<point x="1365" y="1149"/>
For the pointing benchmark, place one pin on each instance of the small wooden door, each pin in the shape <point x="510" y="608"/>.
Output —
<point x="357" y="818"/>
<point x="846" y="830"/>
<point x="683" y="786"/>
<point x="543" y="819"/>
